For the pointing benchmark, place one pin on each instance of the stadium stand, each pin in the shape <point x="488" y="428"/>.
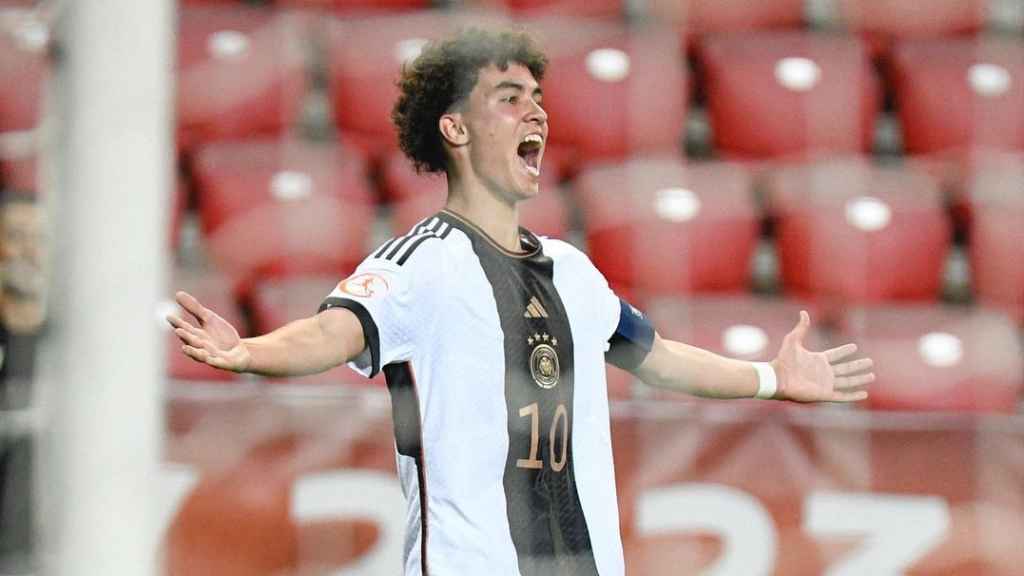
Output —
<point x="586" y="8"/>
<point x="365" y="56"/>
<point x="996" y="207"/>
<point x="959" y="93"/>
<point x="633" y="82"/>
<point x="881" y="22"/>
<point x="661" y="227"/>
<point x="241" y="73"/>
<point x="851" y="231"/>
<point x="697" y="18"/>
<point x="23" y="70"/>
<point x="283" y="208"/>
<point x="938" y="358"/>
<point x="786" y="94"/>
<point x="356" y="5"/>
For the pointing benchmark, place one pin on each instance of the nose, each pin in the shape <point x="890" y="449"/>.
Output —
<point x="537" y="113"/>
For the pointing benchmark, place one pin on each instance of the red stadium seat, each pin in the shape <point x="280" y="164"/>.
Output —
<point x="847" y="230"/>
<point x="283" y="208"/>
<point x="19" y="173"/>
<point x="23" y="71"/>
<point x="357" y="5"/>
<point x="590" y="8"/>
<point x="938" y="358"/>
<point x="882" y="21"/>
<point x="241" y="73"/>
<point x="778" y="94"/>
<point x="609" y="92"/>
<point x="365" y="59"/>
<point x="278" y="302"/>
<point x="956" y="94"/>
<point x="996" y="206"/>
<point x="214" y="292"/>
<point x="696" y="18"/>
<point x="660" y="227"/>
<point x="416" y="196"/>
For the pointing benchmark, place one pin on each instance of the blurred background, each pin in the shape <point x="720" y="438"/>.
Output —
<point x="725" y="163"/>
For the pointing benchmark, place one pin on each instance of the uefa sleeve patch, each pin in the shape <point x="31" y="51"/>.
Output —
<point x="365" y="285"/>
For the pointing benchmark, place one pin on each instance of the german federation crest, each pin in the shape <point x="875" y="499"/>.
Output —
<point x="544" y="360"/>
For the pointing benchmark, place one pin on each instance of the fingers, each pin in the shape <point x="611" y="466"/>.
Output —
<point x="189" y="338"/>
<point x="800" y="331"/>
<point x="178" y="322"/>
<point x="192" y="306"/>
<point x="842" y="396"/>
<point x="852" y="367"/>
<point x="197" y="354"/>
<point x="840" y="352"/>
<point x="844" y="382"/>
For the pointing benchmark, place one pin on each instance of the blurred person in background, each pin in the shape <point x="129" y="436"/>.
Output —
<point x="493" y="341"/>
<point x="23" y="257"/>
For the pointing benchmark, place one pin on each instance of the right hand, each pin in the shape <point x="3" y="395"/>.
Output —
<point x="214" y="341"/>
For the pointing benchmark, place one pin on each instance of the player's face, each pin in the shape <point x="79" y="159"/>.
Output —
<point x="508" y="130"/>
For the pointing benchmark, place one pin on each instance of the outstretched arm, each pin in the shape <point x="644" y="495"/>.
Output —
<point x="305" y="346"/>
<point x="801" y="375"/>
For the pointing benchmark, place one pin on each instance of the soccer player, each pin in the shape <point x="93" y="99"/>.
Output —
<point x="493" y="341"/>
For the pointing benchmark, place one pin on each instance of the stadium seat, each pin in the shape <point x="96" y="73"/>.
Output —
<point x="957" y="94"/>
<point x="881" y="22"/>
<point x="365" y="57"/>
<point x="938" y="358"/>
<point x="610" y="92"/>
<point x="241" y="73"/>
<point x="996" y="207"/>
<point x="696" y="18"/>
<point x="529" y="8"/>
<point x="850" y="231"/>
<point x="356" y="5"/>
<point x="415" y="197"/>
<point x="19" y="174"/>
<point x="283" y="208"/>
<point x="23" y="72"/>
<point x="214" y="291"/>
<point x="789" y="94"/>
<point x="277" y="302"/>
<point x="658" y="226"/>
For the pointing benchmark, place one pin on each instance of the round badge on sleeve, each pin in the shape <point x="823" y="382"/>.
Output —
<point x="365" y="285"/>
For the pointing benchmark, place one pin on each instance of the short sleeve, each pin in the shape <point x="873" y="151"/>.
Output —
<point x="394" y="303"/>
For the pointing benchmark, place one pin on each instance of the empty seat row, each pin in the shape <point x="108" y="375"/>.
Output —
<point x="613" y="91"/>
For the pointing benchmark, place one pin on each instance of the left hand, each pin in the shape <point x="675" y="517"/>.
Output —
<point x="805" y="376"/>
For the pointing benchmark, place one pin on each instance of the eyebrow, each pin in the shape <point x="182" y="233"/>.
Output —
<point x="508" y="84"/>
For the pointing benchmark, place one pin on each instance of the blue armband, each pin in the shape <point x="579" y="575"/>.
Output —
<point x="632" y="340"/>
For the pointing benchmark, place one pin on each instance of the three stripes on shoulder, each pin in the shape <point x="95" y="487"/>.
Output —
<point x="399" y="249"/>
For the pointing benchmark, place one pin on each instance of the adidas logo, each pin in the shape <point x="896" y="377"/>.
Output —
<point x="535" y="310"/>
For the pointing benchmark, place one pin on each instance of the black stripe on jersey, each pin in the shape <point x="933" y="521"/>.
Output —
<point x="370" y="333"/>
<point x="406" y="417"/>
<point x="432" y="228"/>
<point x="545" y="515"/>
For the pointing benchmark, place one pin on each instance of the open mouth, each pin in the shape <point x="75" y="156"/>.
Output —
<point x="530" y="153"/>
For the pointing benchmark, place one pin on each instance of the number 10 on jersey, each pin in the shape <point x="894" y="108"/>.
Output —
<point x="557" y="454"/>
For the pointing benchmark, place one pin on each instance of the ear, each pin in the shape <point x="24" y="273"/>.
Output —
<point x="453" y="129"/>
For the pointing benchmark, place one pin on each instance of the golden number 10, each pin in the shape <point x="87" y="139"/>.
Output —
<point x="560" y="420"/>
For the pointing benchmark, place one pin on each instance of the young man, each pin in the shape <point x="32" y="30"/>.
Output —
<point x="493" y="341"/>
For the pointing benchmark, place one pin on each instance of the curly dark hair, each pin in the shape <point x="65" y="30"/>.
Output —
<point x="442" y="76"/>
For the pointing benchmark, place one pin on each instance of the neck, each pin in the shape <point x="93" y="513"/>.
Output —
<point x="495" y="215"/>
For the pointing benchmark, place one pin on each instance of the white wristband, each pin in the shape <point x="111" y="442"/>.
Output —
<point x="767" y="383"/>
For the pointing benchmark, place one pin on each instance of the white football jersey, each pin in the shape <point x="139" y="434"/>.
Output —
<point x="495" y="365"/>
